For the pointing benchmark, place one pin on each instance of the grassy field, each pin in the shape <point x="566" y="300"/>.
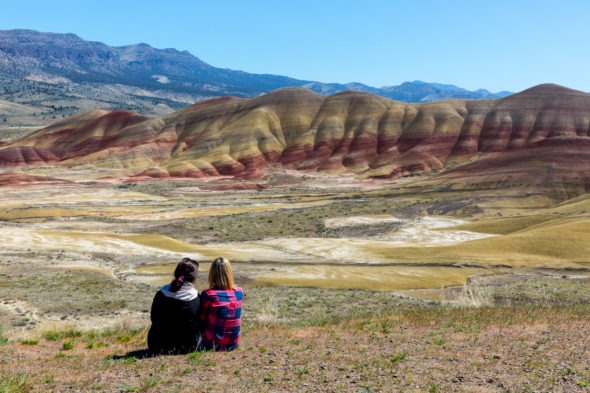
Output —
<point x="328" y="341"/>
<point x="341" y="294"/>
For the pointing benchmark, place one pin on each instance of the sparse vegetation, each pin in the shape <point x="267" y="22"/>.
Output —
<point x="14" y="383"/>
<point x="425" y="349"/>
<point x="87" y="311"/>
<point x="28" y="341"/>
<point x="67" y="345"/>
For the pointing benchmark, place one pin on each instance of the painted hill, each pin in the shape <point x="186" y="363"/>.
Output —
<point x="537" y="136"/>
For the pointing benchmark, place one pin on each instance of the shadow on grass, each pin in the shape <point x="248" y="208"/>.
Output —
<point x="146" y="353"/>
<point x="139" y="354"/>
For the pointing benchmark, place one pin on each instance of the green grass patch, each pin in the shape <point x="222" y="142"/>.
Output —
<point x="301" y="370"/>
<point x="55" y="335"/>
<point x="124" y="338"/>
<point x="149" y="382"/>
<point x="28" y="341"/>
<point x="398" y="358"/>
<point x="67" y="345"/>
<point x="197" y="358"/>
<point x="15" y="383"/>
<point x="3" y="338"/>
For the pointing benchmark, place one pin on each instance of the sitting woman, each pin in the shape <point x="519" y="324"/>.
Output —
<point x="174" y="312"/>
<point x="221" y="309"/>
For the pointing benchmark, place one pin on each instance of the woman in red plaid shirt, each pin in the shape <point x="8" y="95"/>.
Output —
<point x="220" y="311"/>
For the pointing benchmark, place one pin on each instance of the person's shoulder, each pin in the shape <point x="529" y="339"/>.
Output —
<point x="161" y="291"/>
<point x="239" y="293"/>
<point x="216" y="290"/>
<point x="208" y="293"/>
<point x="159" y="299"/>
<point x="212" y="292"/>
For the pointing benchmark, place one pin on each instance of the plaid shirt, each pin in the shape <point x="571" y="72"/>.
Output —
<point x="220" y="318"/>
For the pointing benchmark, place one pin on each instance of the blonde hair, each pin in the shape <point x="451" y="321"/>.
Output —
<point x="220" y="274"/>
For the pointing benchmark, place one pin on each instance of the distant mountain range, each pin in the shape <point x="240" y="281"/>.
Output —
<point x="44" y="76"/>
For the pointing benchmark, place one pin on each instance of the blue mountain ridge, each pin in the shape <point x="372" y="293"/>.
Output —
<point x="25" y="52"/>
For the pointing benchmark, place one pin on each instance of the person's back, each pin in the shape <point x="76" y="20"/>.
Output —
<point x="174" y="313"/>
<point x="221" y="312"/>
<point x="221" y="309"/>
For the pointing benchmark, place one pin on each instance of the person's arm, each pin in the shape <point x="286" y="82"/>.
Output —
<point x="156" y="308"/>
<point x="205" y="304"/>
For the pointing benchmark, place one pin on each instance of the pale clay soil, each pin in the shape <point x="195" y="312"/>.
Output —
<point x="303" y="261"/>
<point x="80" y="238"/>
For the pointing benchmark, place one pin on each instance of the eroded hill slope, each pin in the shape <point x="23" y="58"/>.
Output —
<point x="538" y="136"/>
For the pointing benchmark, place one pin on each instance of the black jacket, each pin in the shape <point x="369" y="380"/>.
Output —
<point x="174" y="324"/>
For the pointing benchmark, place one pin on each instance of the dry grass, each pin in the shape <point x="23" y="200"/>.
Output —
<point x="424" y="350"/>
<point x="558" y="243"/>
<point x="514" y="332"/>
<point x="504" y="226"/>
<point x="381" y="278"/>
<point x="471" y="296"/>
<point x="501" y="334"/>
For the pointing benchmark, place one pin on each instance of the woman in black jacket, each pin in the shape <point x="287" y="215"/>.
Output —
<point x="174" y="312"/>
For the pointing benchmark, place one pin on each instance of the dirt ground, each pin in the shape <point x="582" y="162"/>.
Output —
<point x="442" y="350"/>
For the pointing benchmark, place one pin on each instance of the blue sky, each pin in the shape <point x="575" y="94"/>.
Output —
<point x="496" y="45"/>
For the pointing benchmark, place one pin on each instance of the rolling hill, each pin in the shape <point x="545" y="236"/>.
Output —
<point x="538" y="137"/>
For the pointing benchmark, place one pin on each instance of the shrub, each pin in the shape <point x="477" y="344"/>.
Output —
<point x="67" y="345"/>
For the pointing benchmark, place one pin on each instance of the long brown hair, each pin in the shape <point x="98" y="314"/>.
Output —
<point x="220" y="274"/>
<point x="186" y="271"/>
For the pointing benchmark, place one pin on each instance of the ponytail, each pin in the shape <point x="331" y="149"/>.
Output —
<point x="186" y="271"/>
<point x="176" y="284"/>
